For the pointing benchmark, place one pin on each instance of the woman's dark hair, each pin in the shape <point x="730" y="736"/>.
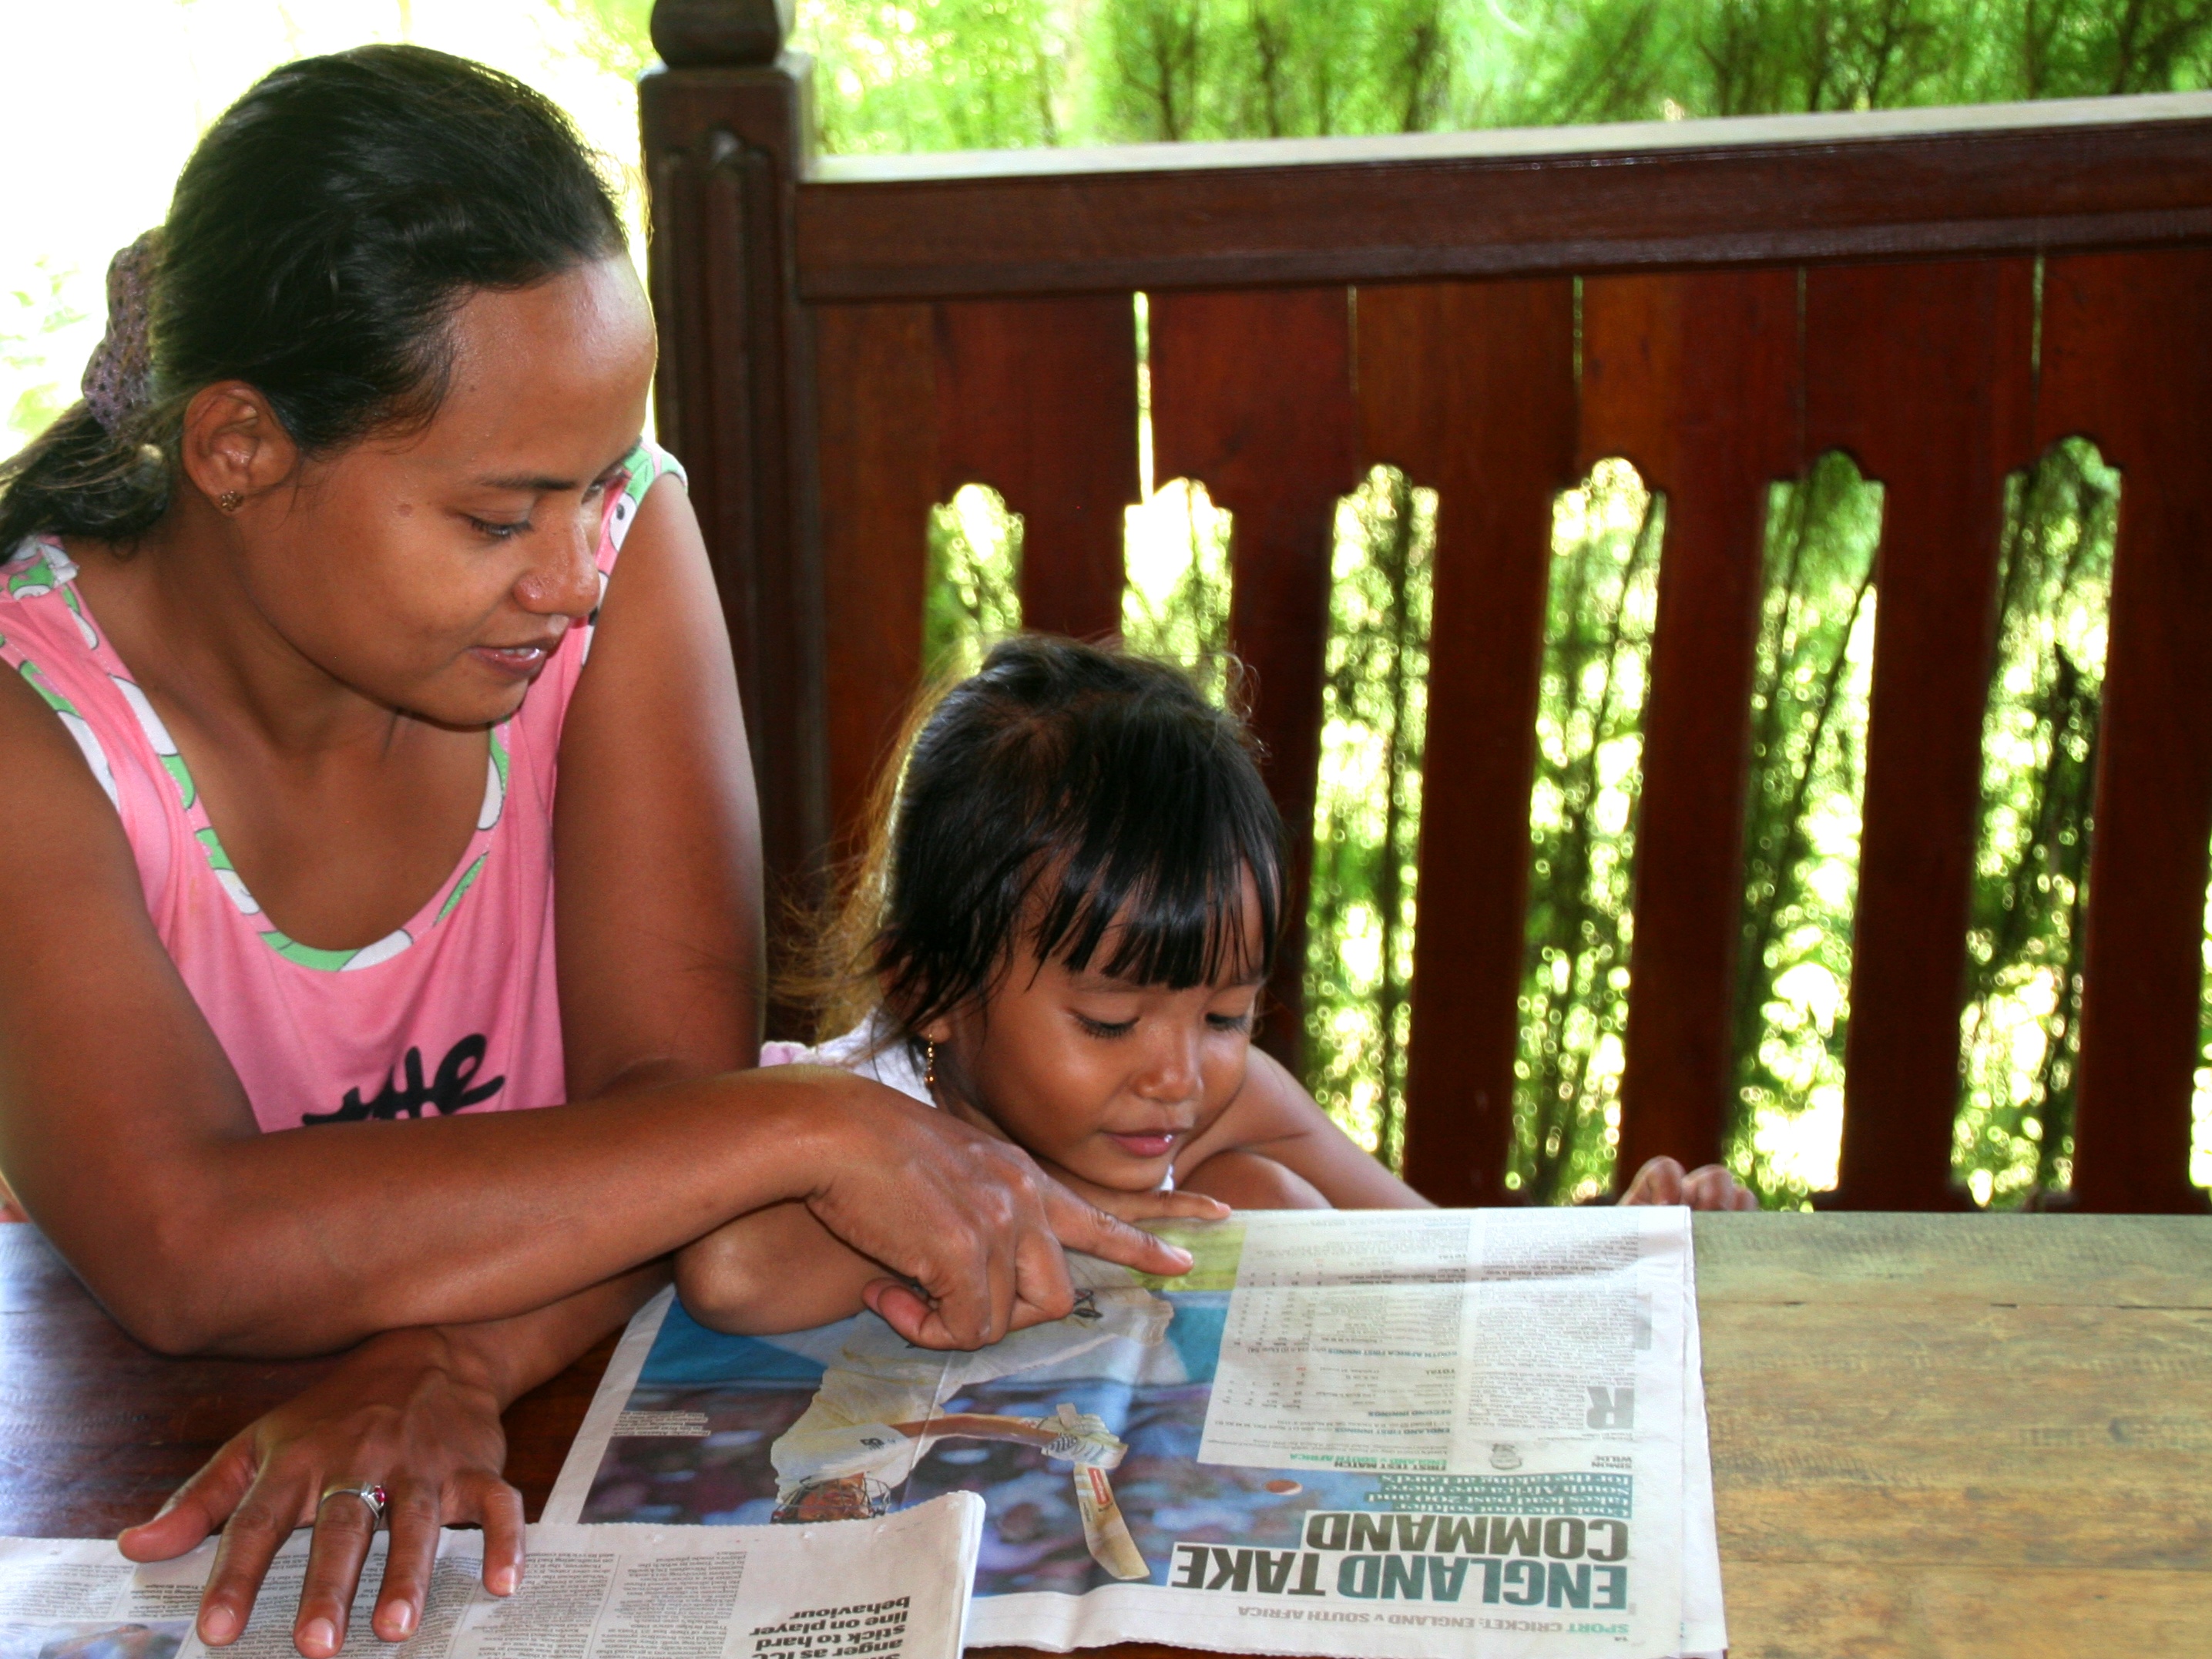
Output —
<point x="1061" y="792"/>
<point x="320" y="238"/>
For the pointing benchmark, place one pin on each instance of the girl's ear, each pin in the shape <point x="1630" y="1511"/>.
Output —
<point x="937" y="1030"/>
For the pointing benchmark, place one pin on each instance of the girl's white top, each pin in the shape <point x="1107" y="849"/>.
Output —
<point x="868" y="1050"/>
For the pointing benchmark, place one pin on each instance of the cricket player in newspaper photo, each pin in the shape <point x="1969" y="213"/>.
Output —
<point x="878" y="1409"/>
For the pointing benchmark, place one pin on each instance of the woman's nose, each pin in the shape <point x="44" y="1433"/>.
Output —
<point x="565" y="582"/>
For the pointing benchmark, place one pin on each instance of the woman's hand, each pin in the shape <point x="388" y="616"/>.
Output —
<point x="1708" y="1188"/>
<point x="412" y="1412"/>
<point x="1137" y="1208"/>
<point x="972" y="1226"/>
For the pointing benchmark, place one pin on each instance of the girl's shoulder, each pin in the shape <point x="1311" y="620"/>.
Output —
<point x="870" y="1050"/>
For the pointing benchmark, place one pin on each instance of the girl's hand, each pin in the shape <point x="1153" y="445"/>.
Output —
<point x="1709" y="1188"/>
<point x="974" y="1228"/>
<point x="408" y="1412"/>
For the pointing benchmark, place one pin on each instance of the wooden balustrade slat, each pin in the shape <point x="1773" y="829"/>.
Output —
<point x="722" y="154"/>
<point x="1469" y="387"/>
<point x="1696" y="380"/>
<point x="2126" y="360"/>
<point x="1038" y="399"/>
<point x="1923" y="373"/>
<point x="1252" y="396"/>
<point x="879" y="476"/>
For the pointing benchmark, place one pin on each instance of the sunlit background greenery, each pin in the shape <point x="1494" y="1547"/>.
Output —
<point x="899" y="75"/>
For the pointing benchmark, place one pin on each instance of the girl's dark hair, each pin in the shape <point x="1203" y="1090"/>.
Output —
<point x="1061" y="792"/>
<point x="320" y="238"/>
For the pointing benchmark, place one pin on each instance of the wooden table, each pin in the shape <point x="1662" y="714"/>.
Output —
<point x="1932" y="1434"/>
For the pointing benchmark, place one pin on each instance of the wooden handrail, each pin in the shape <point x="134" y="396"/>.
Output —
<point x="2002" y="179"/>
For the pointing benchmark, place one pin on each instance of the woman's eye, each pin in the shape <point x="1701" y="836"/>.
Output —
<point x="1106" y="1027"/>
<point x="498" y="532"/>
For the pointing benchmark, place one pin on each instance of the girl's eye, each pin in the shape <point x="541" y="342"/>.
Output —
<point x="1105" y="1028"/>
<point x="498" y="532"/>
<point x="1229" y="1022"/>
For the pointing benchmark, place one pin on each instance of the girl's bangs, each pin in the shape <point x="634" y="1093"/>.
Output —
<point x="1163" y="894"/>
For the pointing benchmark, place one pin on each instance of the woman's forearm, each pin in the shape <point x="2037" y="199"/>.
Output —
<point x="457" y="1221"/>
<point x="510" y="1357"/>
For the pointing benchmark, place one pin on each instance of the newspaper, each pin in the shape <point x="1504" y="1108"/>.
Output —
<point x="1439" y="1433"/>
<point x="895" y="1589"/>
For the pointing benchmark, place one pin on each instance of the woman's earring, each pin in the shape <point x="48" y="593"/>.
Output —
<point x="929" y="1064"/>
<point x="230" y="501"/>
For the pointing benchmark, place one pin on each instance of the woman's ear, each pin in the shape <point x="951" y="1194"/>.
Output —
<point x="233" y="446"/>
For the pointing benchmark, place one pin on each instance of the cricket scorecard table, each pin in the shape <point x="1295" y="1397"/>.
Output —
<point x="1932" y="1434"/>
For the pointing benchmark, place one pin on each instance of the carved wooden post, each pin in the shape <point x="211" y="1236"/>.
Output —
<point x="725" y="135"/>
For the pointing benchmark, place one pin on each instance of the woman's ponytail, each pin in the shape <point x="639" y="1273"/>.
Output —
<point x="100" y="470"/>
<point x="75" y="478"/>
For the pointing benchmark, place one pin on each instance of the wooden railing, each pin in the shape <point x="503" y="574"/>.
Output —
<point x="1942" y="294"/>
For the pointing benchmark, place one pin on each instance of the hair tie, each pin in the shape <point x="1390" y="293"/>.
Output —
<point x="119" y="379"/>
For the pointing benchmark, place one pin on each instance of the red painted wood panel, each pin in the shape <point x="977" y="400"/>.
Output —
<point x="1469" y="387"/>
<point x="1252" y="396"/>
<point x="1923" y="373"/>
<point x="1038" y="399"/>
<point x="2126" y="360"/>
<point x="1695" y="380"/>
<point x="876" y="375"/>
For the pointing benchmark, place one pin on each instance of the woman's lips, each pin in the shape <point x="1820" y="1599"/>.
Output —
<point x="1150" y="1144"/>
<point x="518" y="661"/>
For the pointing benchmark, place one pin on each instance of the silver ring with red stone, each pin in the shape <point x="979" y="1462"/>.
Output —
<point x="371" y="1494"/>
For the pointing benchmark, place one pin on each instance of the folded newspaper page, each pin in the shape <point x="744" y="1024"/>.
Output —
<point x="1451" y="1433"/>
<point x="896" y="1588"/>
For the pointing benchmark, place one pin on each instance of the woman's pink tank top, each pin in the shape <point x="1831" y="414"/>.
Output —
<point x="459" y="1010"/>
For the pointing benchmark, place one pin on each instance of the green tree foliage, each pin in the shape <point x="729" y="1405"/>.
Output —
<point x="1574" y="999"/>
<point x="1359" y="958"/>
<point x="27" y="316"/>
<point x="972" y="595"/>
<point x="922" y="74"/>
<point x="2023" y="1022"/>
<point x="1809" y="711"/>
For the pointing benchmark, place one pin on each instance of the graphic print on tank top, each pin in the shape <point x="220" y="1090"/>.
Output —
<point x="453" y="1088"/>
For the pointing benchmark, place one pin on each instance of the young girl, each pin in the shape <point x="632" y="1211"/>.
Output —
<point x="1060" y="938"/>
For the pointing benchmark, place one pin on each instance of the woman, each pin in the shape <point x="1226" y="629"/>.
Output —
<point x="309" y="579"/>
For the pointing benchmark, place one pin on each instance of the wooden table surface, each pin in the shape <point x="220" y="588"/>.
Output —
<point x="1932" y="1434"/>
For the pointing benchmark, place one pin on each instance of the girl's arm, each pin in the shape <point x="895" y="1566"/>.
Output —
<point x="1275" y="1148"/>
<point x="1274" y="1119"/>
<point x="126" y="1134"/>
<point x="779" y="1269"/>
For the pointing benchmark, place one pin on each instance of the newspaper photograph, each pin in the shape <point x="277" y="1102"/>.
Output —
<point x="896" y="1589"/>
<point x="1371" y="1433"/>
